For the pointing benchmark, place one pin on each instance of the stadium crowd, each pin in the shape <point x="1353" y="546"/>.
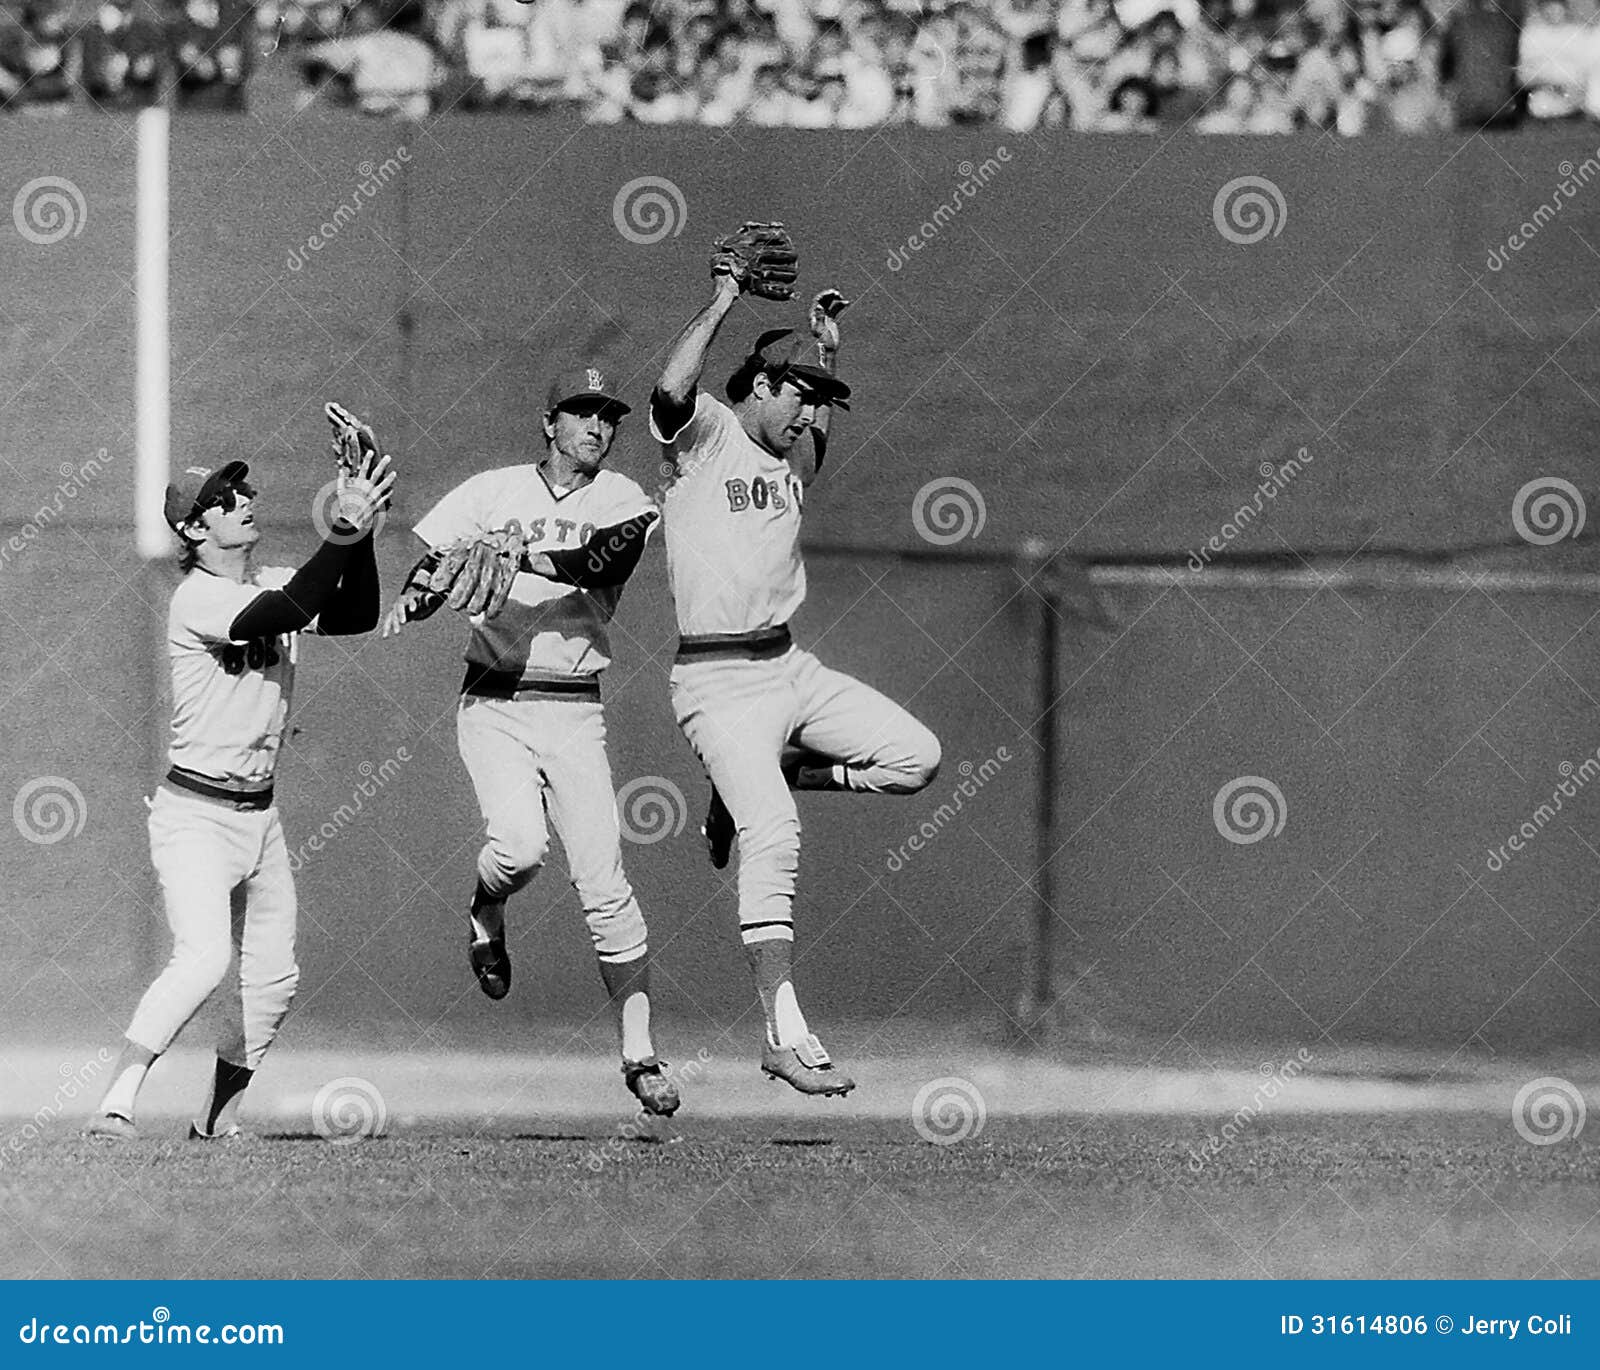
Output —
<point x="1213" y="66"/>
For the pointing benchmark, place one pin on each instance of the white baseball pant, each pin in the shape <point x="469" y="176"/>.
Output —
<point x="226" y="884"/>
<point x="542" y="763"/>
<point x="740" y="715"/>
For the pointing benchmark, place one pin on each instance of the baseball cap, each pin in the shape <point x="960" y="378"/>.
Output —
<point x="584" y="383"/>
<point x="198" y="486"/>
<point x="789" y="363"/>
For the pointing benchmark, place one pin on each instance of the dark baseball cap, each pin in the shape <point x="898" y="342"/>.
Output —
<point x="791" y="364"/>
<point x="584" y="383"/>
<point x="198" y="486"/>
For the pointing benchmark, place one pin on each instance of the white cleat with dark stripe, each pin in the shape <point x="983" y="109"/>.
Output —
<point x="805" y="1067"/>
<point x="111" y="1127"/>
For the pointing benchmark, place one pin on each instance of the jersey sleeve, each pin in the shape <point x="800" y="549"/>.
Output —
<point x="274" y="577"/>
<point x="624" y="500"/>
<point x="460" y="515"/>
<point x="698" y="438"/>
<point x="205" y="606"/>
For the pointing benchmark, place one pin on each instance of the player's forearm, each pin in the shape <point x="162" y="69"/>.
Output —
<point x="355" y="605"/>
<point x="607" y="559"/>
<point x="420" y="601"/>
<point x="307" y="594"/>
<point x="686" y="358"/>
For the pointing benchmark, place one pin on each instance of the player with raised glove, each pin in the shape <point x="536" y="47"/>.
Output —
<point x="759" y="258"/>
<point x="763" y="715"/>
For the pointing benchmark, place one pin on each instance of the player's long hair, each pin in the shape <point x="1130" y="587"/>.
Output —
<point x="743" y="380"/>
<point x="188" y="554"/>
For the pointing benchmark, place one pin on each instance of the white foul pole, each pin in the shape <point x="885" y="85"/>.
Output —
<point x="152" y="444"/>
<point x="152" y="365"/>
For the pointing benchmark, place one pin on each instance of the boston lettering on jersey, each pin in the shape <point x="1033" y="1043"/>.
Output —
<point x="761" y="493"/>
<point x="258" y="654"/>
<point x="563" y="529"/>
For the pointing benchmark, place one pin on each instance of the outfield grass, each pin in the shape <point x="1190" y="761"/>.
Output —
<point x="839" y="1195"/>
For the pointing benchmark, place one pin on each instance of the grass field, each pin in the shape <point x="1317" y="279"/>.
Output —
<point x="1113" y="1198"/>
<point x="1077" y="1172"/>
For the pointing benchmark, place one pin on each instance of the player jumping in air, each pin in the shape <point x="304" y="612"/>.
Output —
<point x="530" y="725"/>
<point x="215" y="835"/>
<point x="764" y="716"/>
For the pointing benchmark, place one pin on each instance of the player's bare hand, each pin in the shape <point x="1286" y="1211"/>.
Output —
<point x="364" y="495"/>
<point x="826" y="306"/>
<point x="396" y="619"/>
<point x="539" y="564"/>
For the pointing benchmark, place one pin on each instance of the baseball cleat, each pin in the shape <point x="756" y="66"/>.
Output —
<point x="805" y="1067"/>
<point x="491" y="963"/>
<point x="718" y="831"/>
<point x="112" y="1127"/>
<point x="650" y="1086"/>
<point x="228" y="1134"/>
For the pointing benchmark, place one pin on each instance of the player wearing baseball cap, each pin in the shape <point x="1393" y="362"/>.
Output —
<point x="764" y="716"/>
<point x="232" y="635"/>
<point x="530" y="725"/>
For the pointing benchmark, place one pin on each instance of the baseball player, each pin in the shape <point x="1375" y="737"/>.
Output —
<point x="215" y="836"/>
<point x="764" y="716"/>
<point x="530" y="725"/>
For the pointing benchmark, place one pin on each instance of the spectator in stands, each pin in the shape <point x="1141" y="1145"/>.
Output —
<point x="1318" y="79"/>
<point x="40" y="61"/>
<point x="1233" y="107"/>
<point x="211" y="55"/>
<point x="1132" y="104"/>
<point x="124" y="56"/>
<point x="389" y="71"/>
<point x="1030" y="96"/>
<point x="1176" y="102"/>
<point x="1082" y="62"/>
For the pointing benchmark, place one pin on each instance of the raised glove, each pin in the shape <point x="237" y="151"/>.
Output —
<point x="352" y="439"/>
<point x="760" y="258"/>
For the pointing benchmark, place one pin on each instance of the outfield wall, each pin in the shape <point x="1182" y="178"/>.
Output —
<point x="1082" y="344"/>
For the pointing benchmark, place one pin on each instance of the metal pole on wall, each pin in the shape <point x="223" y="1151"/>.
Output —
<point x="1038" y="992"/>
<point x="152" y="398"/>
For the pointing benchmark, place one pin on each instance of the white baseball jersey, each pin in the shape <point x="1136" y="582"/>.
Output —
<point x="230" y="700"/>
<point x="546" y="627"/>
<point x="733" y="526"/>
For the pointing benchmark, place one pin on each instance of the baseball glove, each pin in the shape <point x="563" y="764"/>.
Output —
<point x="760" y="258"/>
<point x="476" y="576"/>
<point x="352" y="439"/>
